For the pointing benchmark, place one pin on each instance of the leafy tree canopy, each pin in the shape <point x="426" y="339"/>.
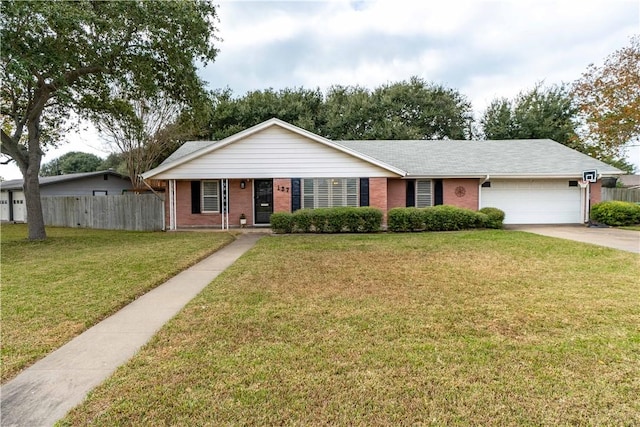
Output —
<point x="411" y="109"/>
<point x="72" y="162"/>
<point x="608" y="99"/>
<point x="64" y="56"/>
<point x="540" y="113"/>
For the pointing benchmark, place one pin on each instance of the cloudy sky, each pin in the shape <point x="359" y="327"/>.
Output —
<point x="484" y="49"/>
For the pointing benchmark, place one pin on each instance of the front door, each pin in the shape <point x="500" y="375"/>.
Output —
<point x="263" y="200"/>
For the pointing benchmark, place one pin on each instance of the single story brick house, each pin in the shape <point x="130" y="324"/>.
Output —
<point x="99" y="183"/>
<point x="277" y="167"/>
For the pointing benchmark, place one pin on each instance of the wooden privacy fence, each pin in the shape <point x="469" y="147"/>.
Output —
<point x="623" y="194"/>
<point x="139" y="212"/>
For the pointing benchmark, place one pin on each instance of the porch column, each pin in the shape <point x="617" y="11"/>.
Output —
<point x="225" y="204"/>
<point x="172" y="205"/>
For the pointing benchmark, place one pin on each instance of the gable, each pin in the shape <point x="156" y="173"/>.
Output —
<point x="273" y="152"/>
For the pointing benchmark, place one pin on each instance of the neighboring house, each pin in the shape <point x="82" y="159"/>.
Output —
<point x="278" y="167"/>
<point x="630" y="181"/>
<point x="100" y="183"/>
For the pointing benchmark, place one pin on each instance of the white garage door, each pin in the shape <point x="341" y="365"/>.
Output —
<point x="534" y="201"/>
<point x="4" y="206"/>
<point x="19" y="208"/>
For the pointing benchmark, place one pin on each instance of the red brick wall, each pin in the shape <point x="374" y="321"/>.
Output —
<point x="396" y="193"/>
<point x="460" y="192"/>
<point x="282" y="195"/>
<point x="595" y="192"/>
<point x="240" y="201"/>
<point x="378" y="195"/>
<point x="184" y="217"/>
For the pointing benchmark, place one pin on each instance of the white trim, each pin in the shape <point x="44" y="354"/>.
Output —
<point x="224" y="204"/>
<point x="172" y="205"/>
<point x="218" y="183"/>
<point x="260" y="127"/>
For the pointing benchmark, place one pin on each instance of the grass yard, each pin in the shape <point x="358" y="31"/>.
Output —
<point x="53" y="290"/>
<point x="465" y="328"/>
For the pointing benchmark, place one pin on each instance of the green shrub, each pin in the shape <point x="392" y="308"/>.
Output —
<point x="405" y="219"/>
<point x="301" y="221"/>
<point x="328" y="220"/>
<point x="616" y="213"/>
<point x="281" y="222"/>
<point x="437" y="218"/>
<point x="495" y="217"/>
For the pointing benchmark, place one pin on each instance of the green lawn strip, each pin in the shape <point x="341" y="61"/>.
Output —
<point x="631" y="227"/>
<point x="55" y="289"/>
<point x="471" y="328"/>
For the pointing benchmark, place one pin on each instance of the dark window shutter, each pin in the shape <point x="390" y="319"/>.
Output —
<point x="364" y="191"/>
<point x="295" y="194"/>
<point x="438" y="197"/>
<point x="411" y="193"/>
<point x="195" y="197"/>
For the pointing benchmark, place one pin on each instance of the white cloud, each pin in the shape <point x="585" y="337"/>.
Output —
<point x="485" y="49"/>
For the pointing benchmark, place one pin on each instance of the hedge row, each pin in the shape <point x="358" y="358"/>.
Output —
<point x="443" y="218"/>
<point x="328" y="220"/>
<point x="616" y="213"/>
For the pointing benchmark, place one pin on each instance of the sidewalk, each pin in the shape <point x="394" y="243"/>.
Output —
<point x="46" y="391"/>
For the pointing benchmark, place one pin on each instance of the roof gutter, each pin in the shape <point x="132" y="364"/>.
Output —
<point x="508" y="176"/>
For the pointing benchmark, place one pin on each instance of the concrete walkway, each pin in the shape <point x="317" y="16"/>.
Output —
<point x="46" y="391"/>
<point x="616" y="238"/>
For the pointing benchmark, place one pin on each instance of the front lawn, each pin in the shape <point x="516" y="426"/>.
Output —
<point x="53" y="290"/>
<point x="465" y="328"/>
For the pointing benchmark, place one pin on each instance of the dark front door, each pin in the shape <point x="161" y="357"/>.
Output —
<point x="263" y="198"/>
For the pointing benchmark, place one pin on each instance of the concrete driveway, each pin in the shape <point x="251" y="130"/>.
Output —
<point x="625" y="240"/>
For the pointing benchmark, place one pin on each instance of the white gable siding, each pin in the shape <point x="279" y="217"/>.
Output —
<point x="275" y="153"/>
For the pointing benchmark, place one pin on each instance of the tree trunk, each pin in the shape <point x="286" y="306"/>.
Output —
<point x="35" y="219"/>
<point x="30" y="171"/>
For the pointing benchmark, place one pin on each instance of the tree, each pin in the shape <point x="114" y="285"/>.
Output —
<point x="411" y="109"/>
<point x="497" y="121"/>
<point x="116" y="162"/>
<point x="72" y="162"/>
<point x="403" y="110"/>
<point x="66" y="56"/>
<point x="537" y="114"/>
<point x="608" y="100"/>
<point x="298" y="106"/>
<point x="156" y="129"/>
<point x="350" y="113"/>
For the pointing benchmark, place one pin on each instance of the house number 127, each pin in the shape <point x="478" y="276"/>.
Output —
<point x="283" y="188"/>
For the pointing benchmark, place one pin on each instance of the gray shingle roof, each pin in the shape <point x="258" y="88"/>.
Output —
<point x="475" y="158"/>
<point x="186" y="149"/>
<point x="429" y="158"/>
<point x="16" y="184"/>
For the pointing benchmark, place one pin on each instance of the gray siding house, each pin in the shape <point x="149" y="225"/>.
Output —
<point x="99" y="183"/>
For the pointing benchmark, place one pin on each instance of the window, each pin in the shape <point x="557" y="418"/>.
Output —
<point x="424" y="193"/>
<point x="329" y="192"/>
<point x="210" y="196"/>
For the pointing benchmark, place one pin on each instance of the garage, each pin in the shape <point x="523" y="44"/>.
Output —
<point x="534" y="201"/>
<point x="4" y="206"/>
